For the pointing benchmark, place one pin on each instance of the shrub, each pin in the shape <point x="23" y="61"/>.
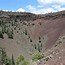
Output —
<point x="47" y="58"/>
<point x="19" y="59"/>
<point x="38" y="47"/>
<point x="4" y="60"/>
<point x="25" y="63"/>
<point x="8" y="61"/>
<point x="10" y="36"/>
<point x="10" y="33"/>
<point x="37" y="56"/>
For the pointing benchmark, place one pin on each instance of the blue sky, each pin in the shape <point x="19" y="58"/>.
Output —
<point x="33" y="6"/>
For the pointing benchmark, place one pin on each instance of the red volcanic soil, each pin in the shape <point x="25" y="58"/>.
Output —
<point x="56" y="55"/>
<point x="51" y="27"/>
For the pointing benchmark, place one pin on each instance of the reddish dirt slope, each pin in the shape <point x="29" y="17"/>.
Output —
<point x="53" y="28"/>
<point x="56" y="55"/>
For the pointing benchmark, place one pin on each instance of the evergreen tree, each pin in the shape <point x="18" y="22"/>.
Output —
<point x="39" y="39"/>
<point x="1" y="35"/>
<point x="25" y="32"/>
<point x="39" y="47"/>
<point x="35" y="46"/>
<point x="13" y="63"/>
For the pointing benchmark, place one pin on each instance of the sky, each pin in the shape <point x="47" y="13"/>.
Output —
<point x="33" y="6"/>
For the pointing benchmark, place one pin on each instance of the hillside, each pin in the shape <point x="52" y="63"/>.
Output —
<point x="23" y="31"/>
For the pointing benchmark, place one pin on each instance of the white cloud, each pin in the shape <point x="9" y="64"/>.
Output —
<point x="31" y="9"/>
<point x="58" y="7"/>
<point x="20" y="10"/>
<point x="61" y="2"/>
<point x="47" y="6"/>
<point x="40" y="11"/>
<point x="61" y="9"/>
<point x="8" y="10"/>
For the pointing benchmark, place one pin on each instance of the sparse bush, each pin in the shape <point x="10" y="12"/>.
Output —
<point x="28" y="37"/>
<point x="10" y="33"/>
<point x="24" y="63"/>
<point x="38" y="46"/>
<point x="8" y="61"/>
<point x="4" y="60"/>
<point x="2" y="29"/>
<point x="35" y="46"/>
<point x="24" y="23"/>
<point x="10" y="36"/>
<point x="47" y="58"/>
<point x="39" y="39"/>
<point x="37" y="56"/>
<point x="30" y="40"/>
<point x="63" y="37"/>
<point x="19" y="59"/>
<point x="25" y="32"/>
<point x="40" y="23"/>
<point x="15" y="20"/>
<point x="14" y="28"/>
<point x="33" y="24"/>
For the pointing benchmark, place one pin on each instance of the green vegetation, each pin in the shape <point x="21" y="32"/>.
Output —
<point x="7" y="28"/>
<point x="24" y="63"/>
<point x="10" y="33"/>
<point x="37" y="56"/>
<point x="21" y="61"/>
<point x="3" y="57"/>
